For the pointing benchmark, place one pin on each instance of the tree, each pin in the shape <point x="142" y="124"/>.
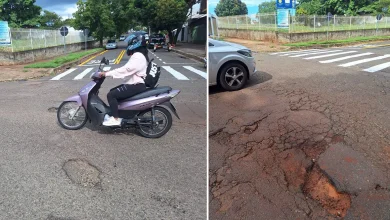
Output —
<point x="230" y="7"/>
<point x="162" y="15"/>
<point x="97" y="17"/>
<point x="50" y="20"/>
<point x="267" y="7"/>
<point x="314" y="7"/>
<point x="20" y="12"/>
<point x="123" y="15"/>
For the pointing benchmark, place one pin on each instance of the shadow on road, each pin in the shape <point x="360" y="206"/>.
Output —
<point x="258" y="78"/>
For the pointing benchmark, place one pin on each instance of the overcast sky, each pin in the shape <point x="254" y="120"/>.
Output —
<point x="252" y="5"/>
<point x="66" y="8"/>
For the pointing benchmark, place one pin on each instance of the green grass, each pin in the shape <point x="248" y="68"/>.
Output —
<point x="63" y="59"/>
<point x="296" y="28"/>
<point x="337" y="42"/>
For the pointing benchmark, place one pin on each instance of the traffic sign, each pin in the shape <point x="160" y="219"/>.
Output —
<point x="85" y="32"/>
<point x="64" y="31"/>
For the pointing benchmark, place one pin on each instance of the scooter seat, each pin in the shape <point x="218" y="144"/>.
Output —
<point x="148" y="93"/>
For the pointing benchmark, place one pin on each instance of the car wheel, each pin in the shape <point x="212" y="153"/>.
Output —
<point x="233" y="77"/>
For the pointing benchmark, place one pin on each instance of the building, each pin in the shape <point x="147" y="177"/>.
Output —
<point x="195" y="29"/>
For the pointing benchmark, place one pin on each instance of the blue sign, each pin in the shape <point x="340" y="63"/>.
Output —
<point x="285" y="4"/>
<point x="4" y="33"/>
<point x="282" y="18"/>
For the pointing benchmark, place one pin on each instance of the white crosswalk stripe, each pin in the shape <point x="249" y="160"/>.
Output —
<point x="364" y="61"/>
<point x="176" y="74"/>
<point x="201" y="73"/>
<point x="314" y="53"/>
<point x="345" y="58"/>
<point x="329" y="55"/>
<point x="297" y="51"/>
<point x="82" y="74"/>
<point x="378" y="67"/>
<point x="58" y="77"/>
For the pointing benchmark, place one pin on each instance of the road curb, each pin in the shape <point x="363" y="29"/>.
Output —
<point x="197" y="58"/>
<point x="52" y="71"/>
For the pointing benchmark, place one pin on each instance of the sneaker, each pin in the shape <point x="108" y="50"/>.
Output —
<point x="112" y="122"/>
<point x="106" y="117"/>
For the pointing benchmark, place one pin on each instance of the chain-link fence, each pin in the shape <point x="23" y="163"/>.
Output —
<point x="297" y="24"/>
<point x="29" y="39"/>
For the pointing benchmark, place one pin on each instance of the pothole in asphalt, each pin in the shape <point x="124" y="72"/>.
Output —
<point x="52" y="109"/>
<point x="319" y="187"/>
<point x="83" y="173"/>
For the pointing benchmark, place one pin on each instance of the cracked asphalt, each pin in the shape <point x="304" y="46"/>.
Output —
<point x="302" y="141"/>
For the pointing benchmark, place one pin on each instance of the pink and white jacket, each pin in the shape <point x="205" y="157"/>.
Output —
<point x="134" y="70"/>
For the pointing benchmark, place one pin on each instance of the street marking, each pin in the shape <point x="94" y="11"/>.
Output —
<point x="119" y="58"/>
<point x="297" y="51"/>
<point x="201" y="73"/>
<point x="345" y="58"/>
<point x="329" y="55"/>
<point x="375" y="46"/>
<point x="378" y="67"/>
<point x="306" y="54"/>
<point x="364" y="61"/>
<point x="92" y="58"/>
<point x="176" y="74"/>
<point x="107" y="68"/>
<point x="63" y="74"/>
<point x="81" y="75"/>
<point x="181" y="63"/>
<point x="164" y="63"/>
<point x="160" y="60"/>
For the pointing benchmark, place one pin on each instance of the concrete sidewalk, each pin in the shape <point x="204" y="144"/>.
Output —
<point x="194" y="51"/>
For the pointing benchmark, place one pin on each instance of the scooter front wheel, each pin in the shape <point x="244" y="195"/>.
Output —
<point x="71" y="116"/>
<point x="161" y="125"/>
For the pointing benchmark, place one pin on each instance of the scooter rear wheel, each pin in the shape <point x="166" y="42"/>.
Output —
<point x="161" y="126"/>
<point x="65" y="112"/>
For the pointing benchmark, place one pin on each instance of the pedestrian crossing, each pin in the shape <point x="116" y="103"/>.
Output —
<point x="182" y="73"/>
<point x="367" y="61"/>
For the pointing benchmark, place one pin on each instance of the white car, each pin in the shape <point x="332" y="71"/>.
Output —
<point x="230" y="65"/>
<point x="122" y="38"/>
<point x="111" y="44"/>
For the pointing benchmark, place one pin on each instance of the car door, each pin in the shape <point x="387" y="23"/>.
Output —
<point x="212" y="61"/>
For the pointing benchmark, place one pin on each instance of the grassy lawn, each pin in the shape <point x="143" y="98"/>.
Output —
<point x="63" y="59"/>
<point x="296" y="28"/>
<point x="337" y="42"/>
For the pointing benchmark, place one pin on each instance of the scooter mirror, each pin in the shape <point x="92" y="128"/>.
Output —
<point x="107" y="62"/>
<point x="103" y="60"/>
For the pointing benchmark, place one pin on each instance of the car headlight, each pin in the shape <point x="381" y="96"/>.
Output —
<point x="247" y="53"/>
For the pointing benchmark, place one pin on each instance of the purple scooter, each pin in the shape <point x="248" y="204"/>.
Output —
<point x="146" y="111"/>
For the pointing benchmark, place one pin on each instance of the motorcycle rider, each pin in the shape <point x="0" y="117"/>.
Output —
<point x="134" y="71"/>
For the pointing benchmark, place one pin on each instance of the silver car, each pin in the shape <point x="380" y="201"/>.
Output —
<point x="230" y="65"/>
<point x="111" y="44"/>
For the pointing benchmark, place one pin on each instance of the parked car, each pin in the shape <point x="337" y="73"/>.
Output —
<point x="111" y="44"/>
<point x="231" y="65"/>
<point x="122" y="38"/>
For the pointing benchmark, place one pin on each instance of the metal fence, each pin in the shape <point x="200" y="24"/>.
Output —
<point x="29" y="39"/>
<point x="297" y="24"/>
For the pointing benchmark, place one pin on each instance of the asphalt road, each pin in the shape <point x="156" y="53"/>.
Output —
<point x="308" y="138"/>
<point x="96" y="173"/>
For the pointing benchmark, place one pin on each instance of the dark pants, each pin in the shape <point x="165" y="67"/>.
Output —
<point x="123" y="91"/>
